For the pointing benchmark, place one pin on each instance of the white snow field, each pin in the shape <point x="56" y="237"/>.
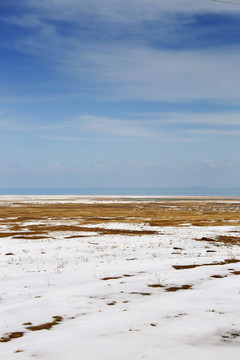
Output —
<point x="118" y="297"/>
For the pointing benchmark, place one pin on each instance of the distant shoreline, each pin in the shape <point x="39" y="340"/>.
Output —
<point x="108" y="199"/>
<point x="124" y="192"/>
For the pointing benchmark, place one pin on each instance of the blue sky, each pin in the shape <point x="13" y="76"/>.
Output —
<point x="119" y="93"/>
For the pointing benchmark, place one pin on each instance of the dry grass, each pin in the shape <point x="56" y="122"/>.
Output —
<point x="161" y="213"/>
<point x="176" y="288"/>
<point x="111" y="278"/>
<point x="225" y="262"/>
<point x="20" y="218"/>
<point x="231" y="335"/>
<point x="235" y="272"/>
<point x="45" y="229"/>
<point x="224" y="239"/>
<point x="46" y="326"/>
<point x="41" y="231"/>
<point x="111" y="303"/>
<point x="11" y="336"/>
<point x="17" y="334"/>
<point x="140" y="293"/>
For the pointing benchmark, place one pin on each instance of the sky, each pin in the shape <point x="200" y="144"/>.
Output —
<point x="119" y="93"/>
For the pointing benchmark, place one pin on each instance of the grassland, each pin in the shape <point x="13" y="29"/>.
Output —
<point x="119" y="278"/>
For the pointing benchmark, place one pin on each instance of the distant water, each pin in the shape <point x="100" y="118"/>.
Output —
<point x="193" y="191"/>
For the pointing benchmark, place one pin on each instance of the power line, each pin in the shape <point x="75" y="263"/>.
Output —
<point x="229" y="2"/>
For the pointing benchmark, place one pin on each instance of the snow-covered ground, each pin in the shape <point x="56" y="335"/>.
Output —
<point x="119" y="295"/>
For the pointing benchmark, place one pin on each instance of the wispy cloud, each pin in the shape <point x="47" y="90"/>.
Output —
<point x="122" y="10"/>
<point x="81" y="128"/>
<point x="125" y="67"/>
<point x="158" y="127"/>
<point x="213" y="118"/>
<point x="126" y="128"/>
<point x="214" y="132"/>
<point x="144" y="74"/>
<point x="135" y="73"/>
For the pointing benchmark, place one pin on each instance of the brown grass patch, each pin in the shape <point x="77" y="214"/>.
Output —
<point x="41" y="232"/>
<point x="30" y="237"/>
<point x="235" y="272"/>
<point x="111" y="278"/>
<point x="185" y="267"/>
<point x="46" y="326"/>
<point x="172" y="212"/>
<point x="100" y="231"/>
<point x="111" y="303"/>
<point x="231" y="335"/>
<point x="13" y="234"/>
<point x="11" y="336"/>
<point x="76" y="236"/>
<point x="176" y="288"/>
<point x="226" y="261"/>
<point x="116" y="277"/>
<point x="140" y="293"/>
<point x="223" y="239"/>
<point x="128" y="275"/>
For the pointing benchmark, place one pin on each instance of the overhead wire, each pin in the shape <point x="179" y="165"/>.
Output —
<point x="229" y="2"/>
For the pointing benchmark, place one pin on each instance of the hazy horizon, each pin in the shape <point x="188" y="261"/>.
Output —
<point x="124" y="191"/>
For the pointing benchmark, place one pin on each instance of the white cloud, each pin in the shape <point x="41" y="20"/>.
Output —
<point x="125" y="71"/>
<point x="217" y="118"/>
<point x="124" y="10"/>
<point x="144" y="74"/>
<point x="214" y="132"/>
<point x="152" y="126"/>
<point x="127" y="128"/>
